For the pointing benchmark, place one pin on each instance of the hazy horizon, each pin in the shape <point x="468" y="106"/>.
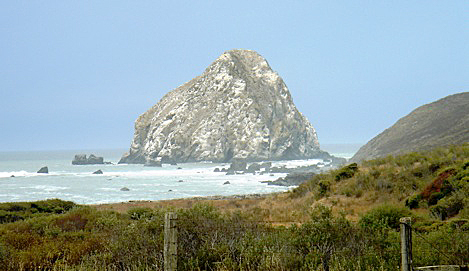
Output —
<point x="76" y="75"/>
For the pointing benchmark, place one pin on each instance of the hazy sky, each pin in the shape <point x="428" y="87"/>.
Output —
<point x="76" y="74"/>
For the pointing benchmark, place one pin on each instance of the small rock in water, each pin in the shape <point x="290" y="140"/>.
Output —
<point x="43" y="170"/>
<point x="227" y="182"/>
<point x="12" y="176"/>
<point x="170" y="190"/>
<point x="216" y="170"/>
<point x="98" y="172"/>
<point x="125" y="189"/>
<point x="81" y="159"/>
<point x="179" y="167"/>
<point x="180" y="181"/>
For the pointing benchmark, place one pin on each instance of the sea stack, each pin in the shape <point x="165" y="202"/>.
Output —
<point x="238" y="109"/>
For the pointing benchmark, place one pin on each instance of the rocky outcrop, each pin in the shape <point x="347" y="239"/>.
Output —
<point x="239" y="108"/>
<point x="292" y="179"/>
<point x="44" y="170"/>
<point x="81" y="159"/>
<point x="153" y="163"/>
<point x="440" y="123"/>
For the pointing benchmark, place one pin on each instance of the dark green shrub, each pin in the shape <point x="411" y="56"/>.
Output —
<point x="383" y="216"/>
<point x="140" y="213"/>
<point x="324" y="187"/>
<point x="57" y="206"/>
<point x="438" y="212"/>
<point x="346" y="172"/>
<point x="413" y="201"/>
<point x="435" y="197"/>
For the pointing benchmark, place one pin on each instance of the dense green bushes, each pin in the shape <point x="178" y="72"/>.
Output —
<point x="13" y="211"/>
<point x="86" y="239"/>
<point x="447" y="194"/>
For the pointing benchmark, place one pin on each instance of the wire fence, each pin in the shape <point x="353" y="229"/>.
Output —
<point x="213" y="243"/>
<point x="435" y="248"/>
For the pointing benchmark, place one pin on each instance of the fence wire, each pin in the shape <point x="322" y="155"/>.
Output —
<point x="241" y="240"/>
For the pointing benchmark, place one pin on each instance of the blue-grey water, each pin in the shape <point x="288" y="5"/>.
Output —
<point x="78" y="184"/>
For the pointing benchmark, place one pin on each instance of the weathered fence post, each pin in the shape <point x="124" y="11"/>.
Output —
<point x="406" y="244"/>
<point x="170" y="242"/>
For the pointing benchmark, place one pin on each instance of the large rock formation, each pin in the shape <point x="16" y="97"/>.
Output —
<point x="440" y="123"/>
<point x="81" y="159"/>
<point x="237" y="109"/>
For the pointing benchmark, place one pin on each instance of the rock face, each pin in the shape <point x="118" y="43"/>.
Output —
<point x="292" y="179"/>
<point x="43" y="170"/>
<point x="239" y="108"/>
<point x="81" y="159"/>
<point x="440" y="123"/>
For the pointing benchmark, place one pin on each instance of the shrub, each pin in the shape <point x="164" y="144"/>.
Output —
<point x="435" y="197"/>
<point x="413" y="201"/>
<point x="383" y="216"/>
<point x="14" y="211"/>
<point x="346" y="172"/>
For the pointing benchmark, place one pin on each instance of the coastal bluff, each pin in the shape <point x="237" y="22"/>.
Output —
<point x="440" y="123"/>
<point x="238" y="109"/>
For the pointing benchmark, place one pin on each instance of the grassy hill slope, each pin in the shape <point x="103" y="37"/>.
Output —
<point x="441" y="123"/>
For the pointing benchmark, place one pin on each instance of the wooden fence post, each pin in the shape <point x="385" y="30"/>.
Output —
<point x="406" y="244"/>
<point x="170" y="242"/>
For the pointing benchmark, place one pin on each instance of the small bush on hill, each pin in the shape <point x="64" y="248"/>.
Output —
<point x="346" y="172"/>
<point x="384" y="215"/>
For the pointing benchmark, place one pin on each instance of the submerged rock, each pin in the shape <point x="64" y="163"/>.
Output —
<point x="239" y="108"/>
<point x="125" y="189"/>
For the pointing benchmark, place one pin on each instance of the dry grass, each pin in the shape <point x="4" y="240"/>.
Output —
<point x="389" y="180"/>
<point x="279" y="208"/>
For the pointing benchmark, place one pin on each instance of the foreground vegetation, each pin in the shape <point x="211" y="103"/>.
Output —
<point x="320" y="225"/>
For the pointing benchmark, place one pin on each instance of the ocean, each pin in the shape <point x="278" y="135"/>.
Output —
<point x="77" y="183"/>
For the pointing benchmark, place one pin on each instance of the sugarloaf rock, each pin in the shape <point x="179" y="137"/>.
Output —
<point x="238" y="109"/>
<point x="441" y="123"/>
